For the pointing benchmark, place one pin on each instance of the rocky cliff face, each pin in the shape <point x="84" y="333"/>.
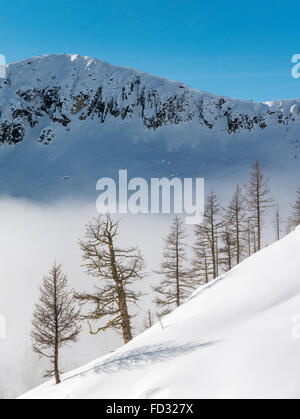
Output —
<point x="76" y="117"/>
<point x="44" y="93"/>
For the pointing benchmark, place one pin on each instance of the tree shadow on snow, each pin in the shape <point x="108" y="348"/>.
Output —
<point x="143" y="357"/>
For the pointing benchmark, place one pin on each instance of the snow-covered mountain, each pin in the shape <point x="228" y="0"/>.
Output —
<point x="74" y="116"/>
<point x="238" y="337"/>
<point x="55" y="91"/>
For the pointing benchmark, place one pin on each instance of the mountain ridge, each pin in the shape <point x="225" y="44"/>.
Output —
<point x="67" y="115"/>
<point x="63" y="88"/>
<point x="127" y="68"/>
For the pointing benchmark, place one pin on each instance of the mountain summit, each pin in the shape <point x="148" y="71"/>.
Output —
<point x="64" y="89"/>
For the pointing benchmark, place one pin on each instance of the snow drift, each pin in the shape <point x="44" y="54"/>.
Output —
<point x="234" y="338"/>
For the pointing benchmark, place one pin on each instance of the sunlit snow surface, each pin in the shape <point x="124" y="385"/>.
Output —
<point x="235" y="338"/>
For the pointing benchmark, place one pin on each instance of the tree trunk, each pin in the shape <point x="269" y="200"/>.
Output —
<point x="213" y="251"/>
<point x="126" y="327"/>
<point x="277" y="223"/>
<point x="258" y="218"/>
<point x="229" y="253"/>
<point x="217" y="255"/>
<point x="206" y="269"/>
<point x="56" y="367"/>
<point x="254" y="241"/>
<point x="249" y="238"/>
<point x="177" y="273"/>
<point x="238" y="250"/>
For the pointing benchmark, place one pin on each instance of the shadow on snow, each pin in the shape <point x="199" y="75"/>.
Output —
<point x="142" y="357"/>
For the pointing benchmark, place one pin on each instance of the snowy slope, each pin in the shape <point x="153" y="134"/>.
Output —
<point x="68" y="115"/>
<point x="234" y="338"/>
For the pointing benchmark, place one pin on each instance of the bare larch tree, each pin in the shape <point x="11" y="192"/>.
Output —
<point x="235" y="221"/>
<point x="116" y="269"/>
<point x="55" y="319"/>
<point x="250" y="236"/>
<point x="148" y="320"/>
<point x="296" y="210"/>
<point x="202" y="266"/>
<point x="206" y="250"/>
<point x="258" y="200"/>
<point x="227" y="251"/>
<point x="176" y="283"/>
<point x="211" y="225"/>
<point x="289" y="225"/>
<point x="277" y="222"/>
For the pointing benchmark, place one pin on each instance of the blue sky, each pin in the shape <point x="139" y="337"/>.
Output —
<point x="239" y="49"/>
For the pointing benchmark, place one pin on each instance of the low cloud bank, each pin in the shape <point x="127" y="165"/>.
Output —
<point x="32" y="237"/>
